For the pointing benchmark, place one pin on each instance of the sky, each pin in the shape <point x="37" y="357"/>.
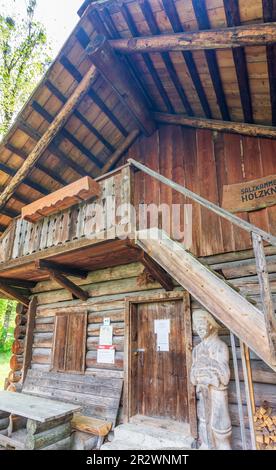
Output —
<point x="58" y="16"/>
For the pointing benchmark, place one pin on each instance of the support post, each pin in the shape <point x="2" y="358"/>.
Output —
<point x="249" y="391"/>
<point x="266" y="298"/>
<point x="238" y="390"/>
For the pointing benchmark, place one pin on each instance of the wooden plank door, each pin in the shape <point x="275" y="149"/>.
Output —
<point x="158" y="374"/>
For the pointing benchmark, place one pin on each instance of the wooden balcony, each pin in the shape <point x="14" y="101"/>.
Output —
<point x="82" y="225"/>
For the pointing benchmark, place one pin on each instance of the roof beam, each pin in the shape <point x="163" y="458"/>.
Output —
<point x="120" y="151"/>
<point x="94" y="97"/>
<point x="119" y="78"/>
<point x="52" y="148"/>
<point x="67" y="135"/>
<point x="269" y="14"/>
<point x="147" y="59"/>
<point x="48" y="136"/>
<point x="45" y="265"/>
<point x="252" y="130"/>
<point x="21" y="153"/>
<point x="32" y="184"/>
<point x="172" y="14"/>
<point x="258" y="34"/>
<point x="79" y="116"/>
<point x="154" y="29"/>
<point x="232" y="13"/>
<point x="104" y="24"/>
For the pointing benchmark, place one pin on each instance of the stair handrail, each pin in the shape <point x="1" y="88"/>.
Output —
<point x="257" y="235"/>
<point x="205" y="203"/>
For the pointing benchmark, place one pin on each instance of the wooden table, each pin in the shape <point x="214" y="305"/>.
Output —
<point x="48" y="421"/>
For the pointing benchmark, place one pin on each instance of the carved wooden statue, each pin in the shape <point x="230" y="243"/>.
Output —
<point x="210" y="374"/>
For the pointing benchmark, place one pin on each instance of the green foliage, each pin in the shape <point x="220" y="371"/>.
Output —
<point x="7" y="317"/>
<point x="24" y="57"/>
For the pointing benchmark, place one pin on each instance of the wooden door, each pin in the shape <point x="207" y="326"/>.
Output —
<point x="158" y="371"/>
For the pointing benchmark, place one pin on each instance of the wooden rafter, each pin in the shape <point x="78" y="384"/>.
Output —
<point x="147" y="59"/>
<point x="232" y="13"/>
<point x="52" y="148"/>
<point x="158" y="273"/>
<point x="32" y="184"/>
<point x="172" y="14"/>
<point x="67" y="135"/>
<point x="22" y="154"/>
<point x="13" y="293"/>
<point x="155" y="30"/>
<point x="252" y="130"/>
<point x="95" y="97"/>
<point x="103" y="23"/>
<point x="119" y="78"/>
<point x="48" y="136"/>
<point x="119" y="152"/>
<point x="60" y="268"/>
<point x="269" y="14"/>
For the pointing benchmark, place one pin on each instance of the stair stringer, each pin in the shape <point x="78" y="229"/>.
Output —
<point x="226" y="304"/>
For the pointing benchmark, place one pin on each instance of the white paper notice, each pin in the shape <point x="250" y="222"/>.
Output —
<point x="106" y="354"/>
<point x="162" y="331"/>
<point x="106" y="333"/>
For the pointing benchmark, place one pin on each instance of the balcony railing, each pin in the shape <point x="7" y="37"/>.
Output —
<point x="98" y="219"/>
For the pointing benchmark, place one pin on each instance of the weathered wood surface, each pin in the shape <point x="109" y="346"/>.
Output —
<point x="248" y="35"/>
<point x="266" y="297"/>
<point x="49" y="134"/>
<point x="62" y="199"/>
<point x="221" y="300"/>
<point x="122" y="82"/>
<point x="27" y="357"/>
<point x="97" y="394"/>
<point x="36" y="408"/>
<point x="48" y="437"/>
<point x="77" y="223"/>
<point x="90" y="425"/>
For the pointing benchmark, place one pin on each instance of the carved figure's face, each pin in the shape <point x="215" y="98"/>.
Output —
<point x="203" y="327"/>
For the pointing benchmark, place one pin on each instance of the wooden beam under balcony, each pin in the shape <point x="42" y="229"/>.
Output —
<point x="49" y="135"/>
<point x="56" y="273"/>
<point x="157" y="272"/>
<point x="223" y="38"/>
<point x="13" y="293"/>
<point x="47" y="265"/>
<point x="252" y="130"/>
<point x="113" y="69"/>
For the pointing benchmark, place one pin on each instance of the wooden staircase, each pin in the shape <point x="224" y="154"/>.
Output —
<point x="216" y="295"/>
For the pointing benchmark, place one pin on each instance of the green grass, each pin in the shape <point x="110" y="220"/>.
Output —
<point x="4" y="367"/>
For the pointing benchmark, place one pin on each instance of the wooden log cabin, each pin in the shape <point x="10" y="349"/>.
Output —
<point x="149" y="102"/>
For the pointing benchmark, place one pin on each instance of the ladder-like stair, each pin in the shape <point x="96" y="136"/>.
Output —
<point x="215" y="294"/>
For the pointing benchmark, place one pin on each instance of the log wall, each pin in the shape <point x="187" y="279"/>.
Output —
<point x="108" y="289"/>
<point x="204" y="161"/>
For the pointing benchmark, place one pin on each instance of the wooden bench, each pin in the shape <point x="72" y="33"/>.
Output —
<point x="98" y="394"/>
<point x="48" y="424"/>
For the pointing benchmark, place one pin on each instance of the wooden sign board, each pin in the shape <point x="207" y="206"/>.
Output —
<point x="250" y="195"/>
